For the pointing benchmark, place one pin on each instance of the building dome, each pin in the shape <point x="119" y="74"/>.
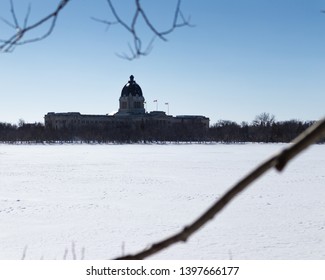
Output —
<point x="131" y="100"/>
<point x="131" y="88"/>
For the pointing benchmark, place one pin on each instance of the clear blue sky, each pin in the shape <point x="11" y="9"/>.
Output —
<point x="242" y="58"/>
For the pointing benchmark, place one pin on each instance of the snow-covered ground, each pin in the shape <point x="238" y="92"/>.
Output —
<point x="110" y="199"/>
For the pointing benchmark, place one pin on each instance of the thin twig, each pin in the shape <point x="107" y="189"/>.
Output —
<point x="279" y="161"/>
<point x="13" y="13"/>
<point x="8" y="23"/>
<point x="107" y="23"/>
<point x="65" y="254"/>
<point x="27" y="15"/>
<point x="83" y="250"/>
<point x="23" y="257"/>
<point x="73" y="251"/>
<point x="20" y="32"/>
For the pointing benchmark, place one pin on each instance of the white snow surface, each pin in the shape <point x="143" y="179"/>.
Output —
<point x="108" y="200"/>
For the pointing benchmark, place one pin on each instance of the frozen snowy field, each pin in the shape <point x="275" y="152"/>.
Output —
<point x="110" y="199"/>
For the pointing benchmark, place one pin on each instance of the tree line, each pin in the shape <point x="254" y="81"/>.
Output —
<point x="263" y="129"/>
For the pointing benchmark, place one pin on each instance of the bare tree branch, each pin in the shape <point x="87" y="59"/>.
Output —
<point x="279" y="161"/>
<point x="118" y="19"/>
<point x="161" y="34"/>
<point x="21" y="31"/>
<point x="137" y="49"/>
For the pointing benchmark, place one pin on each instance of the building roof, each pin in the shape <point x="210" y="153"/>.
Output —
<point x="131" y="88"/>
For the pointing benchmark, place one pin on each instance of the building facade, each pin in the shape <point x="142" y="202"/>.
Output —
<point x="131" y="114"/>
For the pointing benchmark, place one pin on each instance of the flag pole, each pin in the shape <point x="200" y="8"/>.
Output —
<point x="167" y="104"/>
<point x="156" y="101"/>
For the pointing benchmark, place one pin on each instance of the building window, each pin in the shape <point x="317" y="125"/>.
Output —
<point x="137" y="104"/>
<point x="124" y="105"/>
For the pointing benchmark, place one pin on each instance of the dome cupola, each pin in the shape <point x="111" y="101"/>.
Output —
<point x="131" y="88"/>
<point x="131" y="100"/>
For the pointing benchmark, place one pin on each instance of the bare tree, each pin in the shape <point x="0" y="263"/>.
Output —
<point x="22" y="30"/>
<point x="264" y="119"/>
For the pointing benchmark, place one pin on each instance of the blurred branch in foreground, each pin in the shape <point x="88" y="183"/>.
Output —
<point x="279" y="161"/>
